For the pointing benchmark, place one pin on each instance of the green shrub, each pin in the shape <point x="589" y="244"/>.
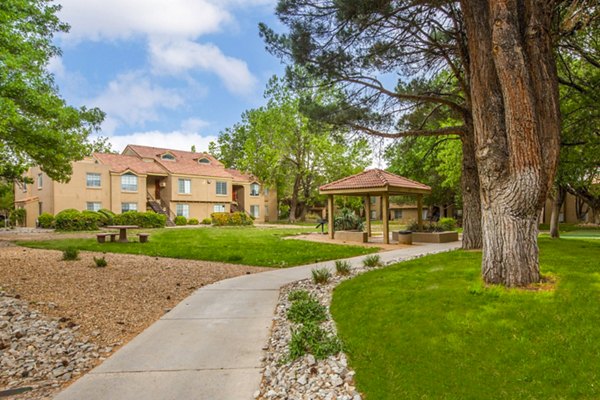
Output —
<point x="180" y="220"/>
<point x="447" y="224"/>
<point x="342" y="267"/>
<point x="192" y="221"/>
<point x="305" y="311"/>
<point x="46" y="220"/>
<point x="17" y="216"/>
<point x="206" y="221"/>
<point x="347" y="220"/>
<point x="230" y="219"/>
<point x="70" y="254"/>
<point x="372" y="261"/>
<point x="94" y="217"/>
<point x="109" y="215"/>
<point x="148" y="219"/>
<point x="313" y="339"/>
<point x="298" y="295"/>
<point x="100" y="262"/>
<point x="321" y="275"/>
<point x="74" y="220"/>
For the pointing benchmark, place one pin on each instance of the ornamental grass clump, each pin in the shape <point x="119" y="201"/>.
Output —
<point x="321" y="275"/>
<point x="307" y="311"/>
<point x="342" y="267"/>
<point x="100" y="262"/>
<point x="70" y="254"/>
<point x="298" y="295"/>
<point x="313" y="339"/>
<point x="372" y="261"/>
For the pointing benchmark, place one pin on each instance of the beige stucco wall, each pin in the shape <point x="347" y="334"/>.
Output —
<point x="118" y="196"/>
<point x="75" y="194"/>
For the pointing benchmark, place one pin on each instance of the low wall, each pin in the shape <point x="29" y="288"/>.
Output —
<point x="351" y="236"/>
<point x="435" y="237"/>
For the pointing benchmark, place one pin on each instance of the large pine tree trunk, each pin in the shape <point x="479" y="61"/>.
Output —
<point x="514" y="93"/>
<point x="470" y="193"/>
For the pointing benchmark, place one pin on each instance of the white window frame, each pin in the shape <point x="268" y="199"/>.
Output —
<point x="221" y="184"/>
<point x="255" y="210"/>
<point x="88" y="175"/>
<point x="93" y="205"/>
<point x="254" y="189"/>
<point x="182" y="210"/>
<point x="127" y="186"/>
<point x="40" y="180"/>
<point x="187" y="186"/>
<point x="129" y="207"/>
<point x="219" y="208"/>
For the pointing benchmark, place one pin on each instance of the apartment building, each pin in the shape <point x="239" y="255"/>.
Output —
<point x="142" y="178"/>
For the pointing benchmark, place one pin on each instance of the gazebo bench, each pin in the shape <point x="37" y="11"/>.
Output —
<point x="143" y="237"/>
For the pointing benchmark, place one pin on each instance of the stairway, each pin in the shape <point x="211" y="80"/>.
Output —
<point x="157" y="208"/>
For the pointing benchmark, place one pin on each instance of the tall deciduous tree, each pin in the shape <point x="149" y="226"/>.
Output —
<point x="281" y="146"/>
<point x="363" y="46"/>
<point x="36" y="125"/>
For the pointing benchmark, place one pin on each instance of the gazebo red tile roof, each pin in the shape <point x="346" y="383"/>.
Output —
<point x="375" y="181"/>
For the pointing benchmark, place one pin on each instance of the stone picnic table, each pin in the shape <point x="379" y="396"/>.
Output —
<point x="122" y="231"/>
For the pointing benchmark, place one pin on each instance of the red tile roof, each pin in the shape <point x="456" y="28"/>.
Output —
<point x="120" y="163"/>
<point x="240" y="176"/>
<point x="186" y="162"/>
<point x="375" y="179"/>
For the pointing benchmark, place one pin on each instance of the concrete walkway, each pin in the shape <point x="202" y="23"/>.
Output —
<point x="210" y="345"/>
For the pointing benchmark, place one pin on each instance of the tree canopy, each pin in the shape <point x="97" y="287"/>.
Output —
<point x="36" y="124"/>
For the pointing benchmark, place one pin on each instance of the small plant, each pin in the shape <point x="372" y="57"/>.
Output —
<point x="46" y="220"/>
<point x="447" y="224"/>
<point x="313" y="339"/>
<point x="305" y="311"/>
<point x="321" y="275"/>
<point x="100" y="262"/>
<point x="206" y="221"/>
<point x="295" y="295"/>
<point x="70" y="254"/>
<point x="180" y="220"/>
<point x="342" y="267"/>
<point x="192" y="221"/>
<point x="372" y="261"/>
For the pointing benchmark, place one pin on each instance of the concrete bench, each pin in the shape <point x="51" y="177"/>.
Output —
<point x="143" y="237"/>
<point x="113" y="236"/>
<point x="101" y="237"/>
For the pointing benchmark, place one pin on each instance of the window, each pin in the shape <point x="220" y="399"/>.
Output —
<point x="94" y="206"/>
<point x="129" y="183"/>
<point x="397" y="214"/>
<point x="40" y="181"/>
<point x="204" y="161"/>
<point x="373" y="214"/>
<point x="168" y="156"/>
<point x="222" y="188"/>
<point x="183" y="210"/>
<point x="255" y="211"/>
<point x="254" y="189"/>
<point x="185" y="186"/>
<point x="219" y="208"/>
<point x="128" y="207"/>
<point x="92" y="180"/>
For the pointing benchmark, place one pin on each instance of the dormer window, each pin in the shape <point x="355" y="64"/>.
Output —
<point x="167" y="156"/>
<point x="204" y="161"/>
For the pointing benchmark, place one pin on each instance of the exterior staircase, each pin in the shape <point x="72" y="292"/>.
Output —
<point x="158" y="208"/>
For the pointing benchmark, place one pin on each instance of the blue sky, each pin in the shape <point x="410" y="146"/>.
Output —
<point x="167" y="73"/>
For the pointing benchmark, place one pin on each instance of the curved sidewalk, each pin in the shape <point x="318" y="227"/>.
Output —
<point x="210" y="345"/>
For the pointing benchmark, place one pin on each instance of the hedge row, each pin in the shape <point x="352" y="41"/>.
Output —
<point x="75" y="220"/>
<point x="236" y="218"/>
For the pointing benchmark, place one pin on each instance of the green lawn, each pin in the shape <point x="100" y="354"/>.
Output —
<point x="238" y="245"/>
<point x="428" y="329"/>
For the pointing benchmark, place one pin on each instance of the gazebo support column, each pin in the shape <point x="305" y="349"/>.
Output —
<point x="385" y="209"/>
<point x="331" y="228"/>
<point x="368" y="214"/>
<point x="420" y="211"/>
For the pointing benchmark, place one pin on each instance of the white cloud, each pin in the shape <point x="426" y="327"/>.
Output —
<point x="133" y="99"/>
<point x="178" y="56"/>
<point x="56" y="67"/>
<point x="122" y="19"/>
<point x="176" y="140"/>
<point x="194" y="125"/>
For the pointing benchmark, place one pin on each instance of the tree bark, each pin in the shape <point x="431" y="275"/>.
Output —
<point x="294" y="199"/>
<point x="557" y="203"/>
<point x="472" y="235"/>
<point x="514" y="92"/>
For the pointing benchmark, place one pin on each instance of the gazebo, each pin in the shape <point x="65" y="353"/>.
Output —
<point x="374" y="182"/>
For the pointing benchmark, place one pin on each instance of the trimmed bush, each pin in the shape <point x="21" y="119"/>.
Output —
<point x="71" y="254"/>
<point x="74" y="220"/>
<point x="321" y="275"/>
<point x="180" y="220"/>
<point x="192" y="221"/>
<point x="447" y="224"/>
<point x="46" y="220"/>
<point x="206" y="221"/>
<point x="109" y="215"/>
<point x="148" y="219"/>
<point x="230" y="219"/>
